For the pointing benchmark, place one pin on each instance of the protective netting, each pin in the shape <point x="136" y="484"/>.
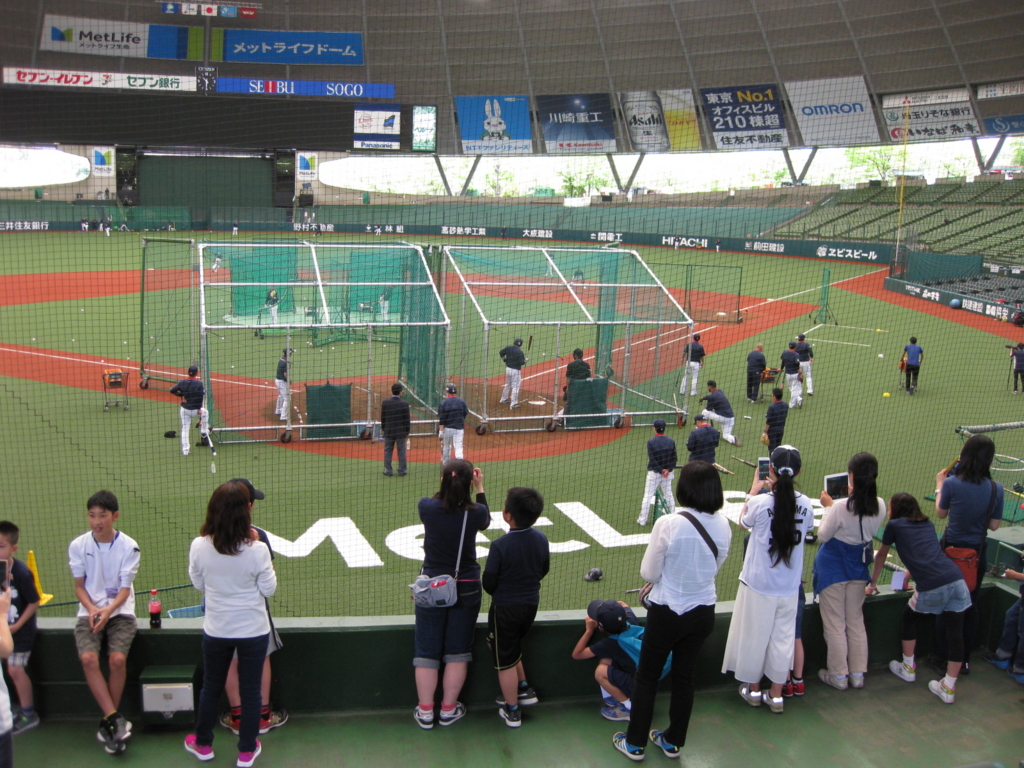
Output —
<point x="605" y="302"/>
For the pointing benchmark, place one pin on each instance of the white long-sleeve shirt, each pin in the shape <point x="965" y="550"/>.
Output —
<point x="679" y="563"/>
<point x="235" y="585"/>
<point x="107" y="568"/>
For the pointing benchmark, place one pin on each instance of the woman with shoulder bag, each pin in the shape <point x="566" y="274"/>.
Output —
<point x="841" y="571"/>
<point x="681" y="562"/>
<point x="450" y="524"/>
<point x="973" y="502"/>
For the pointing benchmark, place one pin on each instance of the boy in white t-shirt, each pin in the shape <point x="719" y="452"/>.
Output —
<point x="104" y="562"/>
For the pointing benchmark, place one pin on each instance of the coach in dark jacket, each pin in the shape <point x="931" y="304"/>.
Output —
<point x="394" y="422"/>
<point x="756" y="365"/>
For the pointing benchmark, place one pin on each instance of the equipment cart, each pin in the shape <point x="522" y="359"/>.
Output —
<point x="115" y="384"/>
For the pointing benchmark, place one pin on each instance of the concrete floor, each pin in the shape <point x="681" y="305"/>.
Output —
<point x="888" y="723"/>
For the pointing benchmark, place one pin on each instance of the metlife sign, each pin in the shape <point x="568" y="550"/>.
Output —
<point x="305" y="88"/>
<point x="833" y="112"/>
<point x="281" y="47"/>
<point x="99" y="37"/>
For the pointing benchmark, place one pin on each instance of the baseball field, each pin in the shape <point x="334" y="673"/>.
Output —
<point x="347" y="537"/>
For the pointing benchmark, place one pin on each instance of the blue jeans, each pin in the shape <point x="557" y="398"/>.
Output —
<point x="1012" y="641"/>
<point x="446" y="634"/>
<point x="217" y="653"/>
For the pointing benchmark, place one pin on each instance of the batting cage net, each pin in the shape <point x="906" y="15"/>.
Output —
<point x="526" y="316"/>
<point x="168" y="311"/>
<point x="302" y="340"/>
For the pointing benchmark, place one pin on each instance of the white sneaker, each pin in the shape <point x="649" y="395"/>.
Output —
<point x="641" y="522"/>
<point x="751" y="697"/>
<point x="938" y="687"/>
<point x="902" y="671"/>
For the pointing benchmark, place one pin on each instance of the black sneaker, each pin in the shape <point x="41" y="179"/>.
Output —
<point x="105" y="735"/>
<point x="513" y="717"/>
<point x="121" y="729"/>
<point x="525" y="697"/>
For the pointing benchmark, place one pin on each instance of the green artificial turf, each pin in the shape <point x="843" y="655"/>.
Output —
<point x="61" y="446"/>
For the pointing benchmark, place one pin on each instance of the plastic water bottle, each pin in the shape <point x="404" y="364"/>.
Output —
<point x="154" y="610"/>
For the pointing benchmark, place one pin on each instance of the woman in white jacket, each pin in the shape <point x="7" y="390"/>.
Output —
<point x="233" y="568"/>
<point x="684" y="555"/>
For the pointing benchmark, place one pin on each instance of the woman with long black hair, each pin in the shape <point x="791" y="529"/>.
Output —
<point x="763" y="627"/>
<point x="841" y="571"/>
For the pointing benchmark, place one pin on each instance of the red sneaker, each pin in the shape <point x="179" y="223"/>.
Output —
<point x="798" y="687"/>
<point x="787" y="689"/>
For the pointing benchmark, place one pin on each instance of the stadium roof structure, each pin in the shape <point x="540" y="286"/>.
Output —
<point x="433" y="53"/>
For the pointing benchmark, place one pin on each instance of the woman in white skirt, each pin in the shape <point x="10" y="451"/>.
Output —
<point x="761" y="634"/>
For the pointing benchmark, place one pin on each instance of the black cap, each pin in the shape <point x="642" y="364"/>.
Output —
<point x="801" y="336"/>
<point x="659" y="425"/>
<point x="518" y="342"/>
<point x="253" y="493"/>
<point x="786" y="460"/>
<point x="792" y="345"/>
<point x="609" y="614"/>
<point x="192" y="370"/>
<point x="450" y="388"/>
<point x="696" y="337"/>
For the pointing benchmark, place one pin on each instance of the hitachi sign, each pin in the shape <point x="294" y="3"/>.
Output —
<point x="686" y="242"/>
<point x="833" y="109"/>
<point x="110" y="37"/>
<point x="272" y="86"/>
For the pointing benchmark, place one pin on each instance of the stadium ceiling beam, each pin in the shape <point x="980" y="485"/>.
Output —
<point x="986" y="165"/>
<point x="469" y="177"/>
<point x="807" y="165"/>
<point x="441" y="173"/>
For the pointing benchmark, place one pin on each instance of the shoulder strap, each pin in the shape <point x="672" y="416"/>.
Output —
<point x="462" y="542"/>
<point x="702" y="531"/>
<point x="991" y="509"/>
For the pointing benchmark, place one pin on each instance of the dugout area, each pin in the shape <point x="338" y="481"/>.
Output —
<point x="605" y="301"/>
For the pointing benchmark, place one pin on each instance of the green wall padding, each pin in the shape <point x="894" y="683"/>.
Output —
<point x="199" y="182"/>
<point x="329" y="404"/>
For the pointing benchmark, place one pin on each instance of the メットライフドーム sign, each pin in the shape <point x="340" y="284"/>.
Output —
<point x="746" y="117"/>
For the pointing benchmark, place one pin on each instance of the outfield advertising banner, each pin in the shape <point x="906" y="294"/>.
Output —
<point x="925" y="98"/>
<point x="577" y="123"/>
<point x="66" y="78"/>
<point x="999" y="90"/>
<point x="976" y="306"/>
<point x="305" y="88"/>
<point x="834" y="112"/>
<point x="494" y="125"/>
<point x="746" y="117"/>
<point x="997" y="126"/>
<point x="99" y="37"/>
<point x="267" y="46"/>
<point x="659" y="121"/>
<point x="376" y="126"/>
<point x="305" y="166"/>
<point x="104" y="163"/>
<point x="424" y="129"/>
<point x="948" y="120"/>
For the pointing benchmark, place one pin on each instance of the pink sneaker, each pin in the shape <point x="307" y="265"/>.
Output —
<point x="246" y="759"/>
<point x="203" y="753"/>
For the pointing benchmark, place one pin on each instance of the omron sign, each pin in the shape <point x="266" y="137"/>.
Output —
<point x="832" y="109"/>
<point x="833" y="112"/>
